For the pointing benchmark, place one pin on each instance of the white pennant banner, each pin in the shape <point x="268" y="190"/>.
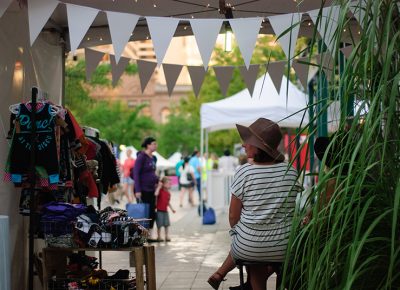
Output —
<point x="224" y="76"/>
<point x="146" y="69"/>
<point x="206" y="33"/>
<point x="4" y="5"/>
<point x="197" y="75"/>
<point x="288" y="40"/>
<point x="162" y="29"/>
<point x="92" y="59"/>
<point x="121" y="28"/>
<point x="117" y="69"/>
<point x="79" y="20"/>
<point x="171" y="73"/>
<point x="246" y="31"/>
<point x="39" y="11"/>
<point x="250" y="76"/>
<point x="358" y="11"/>
<point x="275" y="71"/>
<point x="327" y="24"/>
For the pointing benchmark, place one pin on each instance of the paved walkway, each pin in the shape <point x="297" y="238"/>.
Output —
<point x="194" y="253"/>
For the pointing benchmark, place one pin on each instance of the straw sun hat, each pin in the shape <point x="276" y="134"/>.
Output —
<point x="263" y="134"/>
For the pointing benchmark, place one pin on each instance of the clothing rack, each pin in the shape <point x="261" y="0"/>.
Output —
<point x="32" y="181"/>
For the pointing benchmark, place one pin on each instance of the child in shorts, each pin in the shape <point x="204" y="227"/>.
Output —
<point x="163" y="203"/>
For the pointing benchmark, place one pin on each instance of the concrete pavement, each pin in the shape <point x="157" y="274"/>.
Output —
<point x="194" y="253"/>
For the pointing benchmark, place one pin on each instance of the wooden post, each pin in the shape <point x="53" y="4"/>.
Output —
<point x="150" y="267"/>
<point x="139" y="258"/>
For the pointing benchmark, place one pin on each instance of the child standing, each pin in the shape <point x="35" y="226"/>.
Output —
<point x="163" y="202"/>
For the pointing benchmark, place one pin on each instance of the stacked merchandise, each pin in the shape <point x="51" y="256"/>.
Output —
<point x="81" y="273"/>
<point x="77" y="226"/>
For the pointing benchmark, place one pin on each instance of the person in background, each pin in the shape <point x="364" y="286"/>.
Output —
<point x="196" y="164"/>
<point x="187" y="181"/>
<point x="227" y="163"/>
<point x="163" y="203"/>
<point x="146" y="179"/>
<point x="177" y="171"/>
<point x="127" y="181"/>
<point x="262" y="205"/>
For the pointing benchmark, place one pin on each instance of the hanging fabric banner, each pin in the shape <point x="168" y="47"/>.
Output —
<point x="206" y="33"/>
<point x="301" y="68"/>
<point x="224" y="76"/>
<point x="246" y="31"/>
<point x="327" y="24"/>
<point x="79" y="20"/>
<point x="117" y="69"/>
<point x="197" y="75"/>
<point x="250" y="76"/>
<point x="92" y="59"/>
<point x="275" y="70"/>
<point x="288" y="40"/>
<point x="4" y="5"/>
<point x="121" y="28"/>
<point x="146" y="69"/>
<point x="171" y="73"/>
<point x="162" y="29"/>
<point x="326" y="62"/>
<point x="39" y="11"/>
<point x="347" y="50"/>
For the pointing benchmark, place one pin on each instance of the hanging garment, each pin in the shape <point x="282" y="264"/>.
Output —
<point x="45" y="143"/>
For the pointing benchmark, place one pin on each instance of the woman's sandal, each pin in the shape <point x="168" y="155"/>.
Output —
<point x="215" y="280"/>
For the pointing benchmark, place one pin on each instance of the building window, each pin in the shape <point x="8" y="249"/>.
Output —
<point x="131" y="104"/>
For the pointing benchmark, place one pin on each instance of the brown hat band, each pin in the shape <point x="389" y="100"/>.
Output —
<point x="261" y="139"/>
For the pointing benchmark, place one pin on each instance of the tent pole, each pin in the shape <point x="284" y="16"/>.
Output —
<point x="201" y="187"/>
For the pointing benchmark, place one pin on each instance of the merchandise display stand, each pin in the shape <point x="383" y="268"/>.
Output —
<point x="55" y="261"/>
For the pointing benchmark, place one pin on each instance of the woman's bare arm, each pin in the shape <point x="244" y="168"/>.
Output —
<point x="235" y="210"/>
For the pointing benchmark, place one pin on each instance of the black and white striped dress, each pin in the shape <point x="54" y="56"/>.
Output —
<point x="268" y="194"/>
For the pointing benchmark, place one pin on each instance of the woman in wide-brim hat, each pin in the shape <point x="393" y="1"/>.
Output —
<point x="262" y="204"/>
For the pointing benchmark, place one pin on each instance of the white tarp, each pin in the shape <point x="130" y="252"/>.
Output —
<point x="244" y="109"/>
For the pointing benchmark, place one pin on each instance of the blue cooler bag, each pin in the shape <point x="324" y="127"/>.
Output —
<point x="209" y="217"/>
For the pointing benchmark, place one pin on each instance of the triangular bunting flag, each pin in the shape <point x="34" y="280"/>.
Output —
<point x="275" y="70"/>
<point x="146" y="69"/>
<point x="197" y="75"/>
<point x="358" y="10"/>
<point x="246" y="31"/>
<point x="92" y="59"/>
<point x="121" y="27"/>
<point x="326" y="62"/>
<point x="39" y="12"/>
<point x="79" y="20"/>
<point x="250" y="76"/>
<point x="224" y="76"/>
<point x="4" y="5"/>
<point x="347" y="50"/>
<point x="288" y="40"/>
<point x="301" y="70"/>
<point x="117" y="69"/>
<point x="171" y="73"/>
<point x="162" y="29"/>
<point x="327" y="24"/>
<point x="206" y="33"/>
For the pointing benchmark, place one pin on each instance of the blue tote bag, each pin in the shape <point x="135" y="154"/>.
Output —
<point x="209" y="216"/>
<point x="138" y="210"/>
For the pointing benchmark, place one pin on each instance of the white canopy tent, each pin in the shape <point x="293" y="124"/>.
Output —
<point x="286" y="108"/>
<point x="162" y="162"/>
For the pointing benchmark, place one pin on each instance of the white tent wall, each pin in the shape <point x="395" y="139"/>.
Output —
<point x="22" y="67"/>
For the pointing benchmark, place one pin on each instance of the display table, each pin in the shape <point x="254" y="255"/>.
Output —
<point x="55" y="262"/>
